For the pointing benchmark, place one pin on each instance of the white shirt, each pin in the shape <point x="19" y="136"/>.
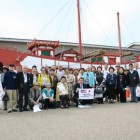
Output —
<point x="105" y="73"/>
<point x="44" y="80"/>
<point x="25" y="77"/>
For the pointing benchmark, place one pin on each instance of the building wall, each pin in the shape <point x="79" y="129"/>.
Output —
<point x="21" y="46"/>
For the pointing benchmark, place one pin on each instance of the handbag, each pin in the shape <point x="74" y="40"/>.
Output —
<point x="5" y="97"/>
<point x="98" y="90"/>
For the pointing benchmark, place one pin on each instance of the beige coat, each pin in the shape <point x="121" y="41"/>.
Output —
<point x="58" y="92"/>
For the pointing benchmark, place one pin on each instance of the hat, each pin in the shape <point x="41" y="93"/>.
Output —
<point x="35" y="84"/>
<point x="48" y="85"/>
<point x="11" y="65"/>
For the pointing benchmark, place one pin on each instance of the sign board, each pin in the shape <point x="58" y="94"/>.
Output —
<point x="86" y="93"/>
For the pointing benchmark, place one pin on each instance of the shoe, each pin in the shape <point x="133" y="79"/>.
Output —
<point x="62" y="107"/>
<point x="25" y="109"/>
<point x="16" y="106"/>
<point x="14" y="110"/>
<point x="66" y="106"/>
<point x="132" y="101"/>
<point x="9" y="111"/>
<point x="20" y="110"/>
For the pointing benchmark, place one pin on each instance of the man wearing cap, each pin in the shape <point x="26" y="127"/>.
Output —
<point x="35" y="95"/>
<point x="10" y="87"/>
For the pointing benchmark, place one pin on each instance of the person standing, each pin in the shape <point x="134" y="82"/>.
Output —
<point x="34" y="74"/>
<point x="47" y="69"/>
<point x="121" y="84"/>
<point x="75" y="74"/>
<point x="60" y="72"/>
<point x="24" y="83"/>
<point x="138" y="70"/>
<point x="105" y="73"/>
<point x="43" y="78"/>
<point x="100" y="83"/>
<point x="89" y="78"/>
<point x="81" y="72"/>
<point x="70" y="80"/>
<point x="117" y="73"/>
<point x="53" y="81"/>
<point x="4" y="70"/>
<point x="10" y="87"/>
<point x="111" y="84"/>
<point x="133" y="81"/>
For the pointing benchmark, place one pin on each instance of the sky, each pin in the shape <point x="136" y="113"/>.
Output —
<point x="57" y="20"/>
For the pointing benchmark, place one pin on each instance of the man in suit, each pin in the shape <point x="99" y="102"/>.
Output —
<point x="35" y="95"/>
<point x="24" y="83"/>
<point x="133" y="81"/>
<point x="78" y="86"/>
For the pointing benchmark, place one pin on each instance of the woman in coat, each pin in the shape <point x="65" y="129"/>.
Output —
<point x="111" y="84"/>
<point x="43" y="78"/>
<point x="121" y="84"/>
<point x="100" y="83"/>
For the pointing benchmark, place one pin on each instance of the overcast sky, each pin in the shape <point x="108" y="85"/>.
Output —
<point x="43" y="19"/>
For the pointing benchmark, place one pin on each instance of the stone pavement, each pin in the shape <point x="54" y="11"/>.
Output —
<point x="99" y="122"/>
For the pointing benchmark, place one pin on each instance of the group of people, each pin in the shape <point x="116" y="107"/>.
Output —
<point x="57" y="87"/>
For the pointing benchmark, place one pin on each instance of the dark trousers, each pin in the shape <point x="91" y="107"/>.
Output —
<point x="75" y="99"/>
<point x="54" y="89"/>
<point x="23" y="92"/>
<point x="111" y="92"/>
<point x="122" y="96"/>
<point x="100" y="100"/>
<point x="64" y="99"/>
<point x="31" y="104"/>
<point x="83" y="102"/>
<point x="118" y="95"/>
<point x="48" y="104"/>
<point x="42" y="87"/>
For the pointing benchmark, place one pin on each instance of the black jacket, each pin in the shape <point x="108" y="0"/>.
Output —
<point x="133" y="78"/>
<point x="20" y="80"/>
<point x="78" y="86"/>
<point x="54" y="81"/>
<point x="122" y="81"/>
<point x="32" y="77"/>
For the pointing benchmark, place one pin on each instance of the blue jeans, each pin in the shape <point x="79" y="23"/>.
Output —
<point x="133" y="94"/>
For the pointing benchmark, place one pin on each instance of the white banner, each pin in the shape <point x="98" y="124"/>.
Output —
<point x="86" y="93"/>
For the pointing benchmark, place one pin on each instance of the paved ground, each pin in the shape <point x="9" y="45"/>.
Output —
<point x="99" y="122"/>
